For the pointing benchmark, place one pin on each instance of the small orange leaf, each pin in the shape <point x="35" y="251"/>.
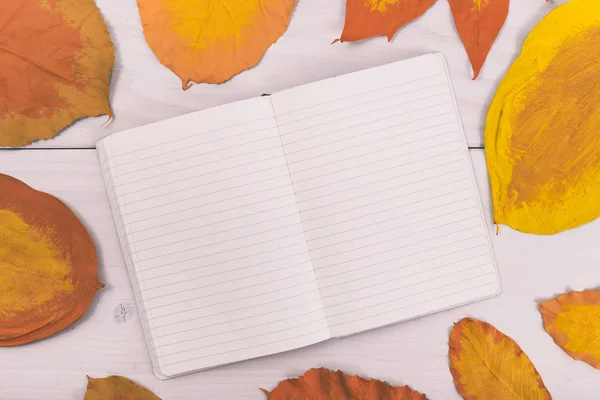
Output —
<point x="487" y="364"/>
<point x="573" y="321"/>
<point x="323" y="384"/>
<point x="211" y="41"/>
<point x="55" y="63"/>
<point x="117" y="388"/>
<point x="48" y="265"/>
<point x="368" y="18"/>
<point x="478" y="23"/>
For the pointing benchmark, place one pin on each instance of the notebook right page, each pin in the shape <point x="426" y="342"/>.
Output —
<point x="387" y="194"/>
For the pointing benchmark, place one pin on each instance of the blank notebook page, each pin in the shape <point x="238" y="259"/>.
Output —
<point x="209" y="223"/>
<point x="387" y="195"/>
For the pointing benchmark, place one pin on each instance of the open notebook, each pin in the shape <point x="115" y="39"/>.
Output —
<point x="278" y="222"/>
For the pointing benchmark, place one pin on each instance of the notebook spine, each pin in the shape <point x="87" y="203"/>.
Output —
<point x="128" y="251"/>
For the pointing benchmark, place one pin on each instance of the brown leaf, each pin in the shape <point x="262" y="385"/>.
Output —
<point x="478" y="23"/>
<point x="573" y="321"/>
<point x="369" y="18"/>
<point x="486" y="364"/>
<point x="55" y="63"/>
<point x="48" y="265"/>
<point x="117" y="388"/>
<point x="324" y="384"/>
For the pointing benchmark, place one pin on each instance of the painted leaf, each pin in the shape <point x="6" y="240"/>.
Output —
<point x="211" y="41"/>
<point x="116" y="388"/>
<point x="369" y="18"/>
<point x="487" y="364"/>
<point x="541" y="134"/>
<point x="573" y="321"/>
<point x="323" y="384"/>
<point x="55" y="63"/>
<point x="478" y="23"/>
<point x="48" y="265"/>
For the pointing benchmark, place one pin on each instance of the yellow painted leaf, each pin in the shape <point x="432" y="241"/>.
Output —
<point x="486" y="364"/>
<point x="48" y="265"/>
<point x="369" y="18"/>
<point x="55" y="63"/>
<point x="117" y="388"/>
<point x="478" y="23"/>
<point x="324" y="384"/>
<point x="541" y="134"/>
<point x="210" y="41"/>
<point x="573" y="321"/>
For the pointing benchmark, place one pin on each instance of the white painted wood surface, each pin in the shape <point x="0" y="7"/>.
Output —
<point x="143" y="91"/>
<point x="108" y="340"/>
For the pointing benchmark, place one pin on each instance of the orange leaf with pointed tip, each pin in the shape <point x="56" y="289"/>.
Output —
<point x="369" y="18"/>
<point x="48" y="265"/>
<point x="573" y="321"/>
<point x="117" y="388"/>
<point x="208" y="41"/>
<point x="55" y="62"/>
<point x="487" y="364"/>
<point x="324" y="384"/>
<point x="478" y="23"/>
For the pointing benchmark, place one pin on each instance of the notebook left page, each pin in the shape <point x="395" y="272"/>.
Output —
<point x="213" y="238"/>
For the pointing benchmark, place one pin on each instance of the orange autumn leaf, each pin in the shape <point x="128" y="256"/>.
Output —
<point x="55" y="63"/>
<point x="48" y="265"/>
<point x="117" y="388"/>
<point x="369" y="18"/>
<point x="478" y="23"/>
<point x="323" y="384"/>
<point x="207" y="41"/>
<point x="487" y="364"/>
<point x="573" y="322"/>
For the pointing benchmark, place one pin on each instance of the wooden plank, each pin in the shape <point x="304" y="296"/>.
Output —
<point x="143" y="91"/>
<point x="109" y="339"/>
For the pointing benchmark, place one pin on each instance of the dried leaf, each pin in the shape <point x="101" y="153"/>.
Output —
<point x="55" y="63"/>
<point x="117" y="388"/>
<point x="478" y="23"/>
<point x="369" y="18"/>
<point x="541" y="135"/>
<point x="48" y="265"/>
<point x="323" y="384"/>
<point x="211" y="41"/>
<point x="573" y="321"/>
<point x="486" y="364"/>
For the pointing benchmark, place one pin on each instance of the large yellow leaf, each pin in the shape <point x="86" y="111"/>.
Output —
<point x="478" y="22"/>
<point x="55" y="63"/>
<point x="117" y="388"/>
<point x="486" y="364"/>
<point x="324" y="384"/>
<point x="212" y="40"/>
<point x="573" y="321"/>
<point x="541" y="134"/>
<point x="368" y="18"/>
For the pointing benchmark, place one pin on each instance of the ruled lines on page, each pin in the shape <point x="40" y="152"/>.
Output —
<point x="386" y="194"/>
<point x="216" y="239"/>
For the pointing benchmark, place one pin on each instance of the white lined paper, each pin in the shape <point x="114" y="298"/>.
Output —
<point x="275" y="223"/>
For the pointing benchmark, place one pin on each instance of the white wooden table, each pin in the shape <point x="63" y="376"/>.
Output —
<point x="108" y="340"/>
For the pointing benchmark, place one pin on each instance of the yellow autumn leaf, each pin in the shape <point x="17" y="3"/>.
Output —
<point x="117" y="388"/>
<point x="486" y="364"/>
<point x="573" y="321"/>
<point x="210" y="41"/>
<point x="55" y="63"/>
<point x="541" y="134"/>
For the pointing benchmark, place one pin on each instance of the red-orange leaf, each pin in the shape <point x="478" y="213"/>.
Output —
<point x="478" y="23"/>
<point x="55" y="63"/>
<point x="368" y="18"/>
<point x="323" y="384"/>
